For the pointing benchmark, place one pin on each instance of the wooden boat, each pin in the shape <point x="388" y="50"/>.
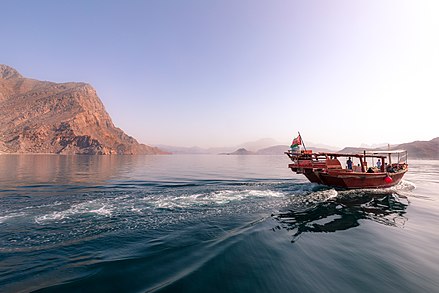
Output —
<point x="326" y="168"/>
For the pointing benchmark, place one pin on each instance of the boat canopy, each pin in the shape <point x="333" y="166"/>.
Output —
<point x="355" y="155"/>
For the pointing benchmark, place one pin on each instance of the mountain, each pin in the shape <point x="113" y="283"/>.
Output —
<point x="258" y="144"/>
<point x="319" y="147"/>
<point x="416" y="149"/>
<point x="373" y="146"/>
<point x="422" y="149"/>
<point x="264" y="146"/>
<point x="194" y="150"/>
<point x="273" y="150"/>
<point x="240" y="152"/>
<point x="61" y="118"/>
<point x="183" y="150"/>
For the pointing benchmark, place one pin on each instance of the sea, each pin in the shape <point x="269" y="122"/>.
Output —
<point x="210" y="223"/>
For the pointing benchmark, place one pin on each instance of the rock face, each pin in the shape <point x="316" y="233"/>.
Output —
<point x="61" y="118"/>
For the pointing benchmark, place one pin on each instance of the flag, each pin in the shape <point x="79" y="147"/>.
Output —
<point x="296" y="142"/>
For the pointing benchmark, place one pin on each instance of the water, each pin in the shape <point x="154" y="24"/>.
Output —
<point x="210" y="224"/>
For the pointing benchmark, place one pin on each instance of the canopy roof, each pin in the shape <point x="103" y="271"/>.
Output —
<point x="369" y="154"/>
<point x="365" y="153"/>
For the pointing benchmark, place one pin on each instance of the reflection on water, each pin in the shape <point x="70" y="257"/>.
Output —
<point x="344" y="212"/>
<point x="33" y="171"/>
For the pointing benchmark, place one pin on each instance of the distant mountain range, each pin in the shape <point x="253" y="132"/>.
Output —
<point x="251" y="146"/>
<point x="239" y="150"/>
<point x="416" y="149"/>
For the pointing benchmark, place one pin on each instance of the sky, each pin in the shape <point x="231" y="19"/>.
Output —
<point x="220" y="73"/>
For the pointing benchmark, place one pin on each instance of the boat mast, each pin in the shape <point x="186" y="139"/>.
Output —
<point x="301" y="140"/>
<point x="390" y="155"/>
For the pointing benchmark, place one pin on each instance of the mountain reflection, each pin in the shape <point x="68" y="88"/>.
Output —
<point x="344" y="212"/>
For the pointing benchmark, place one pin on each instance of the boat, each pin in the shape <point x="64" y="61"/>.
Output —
<point x="361" y="172"/>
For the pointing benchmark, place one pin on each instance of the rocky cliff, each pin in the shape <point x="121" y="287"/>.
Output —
<point x="61" y="118"/>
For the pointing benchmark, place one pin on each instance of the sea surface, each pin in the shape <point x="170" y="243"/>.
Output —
<point x="207" y="223"/>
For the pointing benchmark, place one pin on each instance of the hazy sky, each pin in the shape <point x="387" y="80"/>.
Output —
<point x="218" y="73"/>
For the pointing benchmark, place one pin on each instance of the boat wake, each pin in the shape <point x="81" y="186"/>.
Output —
<point x="330" y="210"/>
<point x="94" y="214"/>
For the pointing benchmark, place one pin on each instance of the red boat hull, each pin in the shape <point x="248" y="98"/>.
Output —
<point x="312" y="177"/>
<point x="353" y="180"/>
<point x="308" y="168"/>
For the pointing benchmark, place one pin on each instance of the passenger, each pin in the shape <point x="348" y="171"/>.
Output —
<point x="349" y="163"/>
<point x="390" y="169"/>
<point x="370" y="170"/>
<point x="379" y="164"/>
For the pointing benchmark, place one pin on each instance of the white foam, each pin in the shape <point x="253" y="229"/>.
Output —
<point x="90" y="207"/>
<point x="130" y="204"/>
<point x="404" y="185"/>
<point x="220" y="197"/>
<point x="7" y="217"/>
<point x="266" y="193"/>
<point x="325" y="194"/>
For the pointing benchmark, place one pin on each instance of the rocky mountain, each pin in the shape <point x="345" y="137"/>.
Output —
<point x="61" y="118"/>
<point x="422" y="149"/>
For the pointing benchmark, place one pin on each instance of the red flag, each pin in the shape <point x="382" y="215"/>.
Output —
<point x="297" y="141"/>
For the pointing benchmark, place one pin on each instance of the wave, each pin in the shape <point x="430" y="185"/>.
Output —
<point x="98" y="207"/>
<point x="115" y="203"/>
<point x="11" y="215"/>
<point x="91" y="214"/>
<point x="215" y="198"/>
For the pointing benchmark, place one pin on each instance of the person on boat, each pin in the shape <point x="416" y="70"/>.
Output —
<point x="349" y="163"/>
<point x="390" y="169"/>
<point x="379" y="164"/>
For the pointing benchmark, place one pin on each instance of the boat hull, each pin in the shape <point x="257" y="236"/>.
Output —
<point x="312" y="176"/>
<point x="309" y="169"/>
<point x="360" y="180"/>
